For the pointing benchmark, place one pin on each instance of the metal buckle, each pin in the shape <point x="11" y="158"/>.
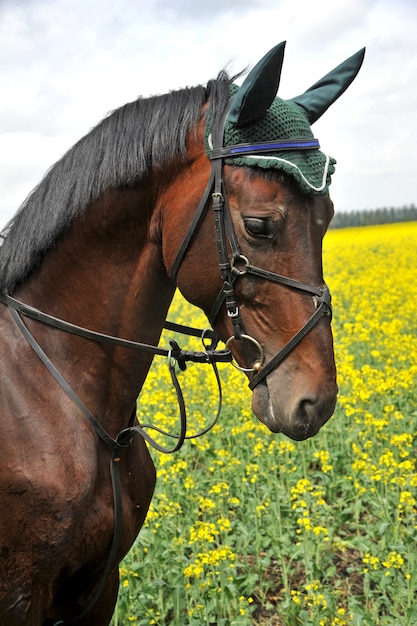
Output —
<point x="240" y="260"/>
<point x="324" y="298"/>
<point x="258" y="364"/>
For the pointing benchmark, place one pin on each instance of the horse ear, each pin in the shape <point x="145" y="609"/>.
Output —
<point x="259" y="88"/>
<point x="316" y="100"/>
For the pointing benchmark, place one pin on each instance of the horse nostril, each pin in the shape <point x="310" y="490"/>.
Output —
<point x="312" y="413"/>
<point x="306" y="418"/>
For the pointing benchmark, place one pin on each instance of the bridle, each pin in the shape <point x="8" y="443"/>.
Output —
<point x="231" y="269"/>
<point x="234" y="265"/>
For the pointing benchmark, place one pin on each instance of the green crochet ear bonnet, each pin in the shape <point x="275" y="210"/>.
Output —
<point x="265" y="131"/>
<point x="284" y="120"/>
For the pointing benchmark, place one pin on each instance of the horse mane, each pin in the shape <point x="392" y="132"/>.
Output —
<point x="118" y="152"/>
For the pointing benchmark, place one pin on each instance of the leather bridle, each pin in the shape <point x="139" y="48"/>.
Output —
<point x="233" y="264"/>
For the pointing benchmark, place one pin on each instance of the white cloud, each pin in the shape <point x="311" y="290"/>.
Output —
<point x="65" y="63"/>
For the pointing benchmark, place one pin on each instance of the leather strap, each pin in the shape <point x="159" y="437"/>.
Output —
<point x="265" y="146"/>
<point x="209" y="355"/>
<point x="323" y="308"/>
<point x="193" y="228"/>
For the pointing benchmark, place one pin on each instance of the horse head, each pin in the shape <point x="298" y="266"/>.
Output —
<point x="272" y="208"/>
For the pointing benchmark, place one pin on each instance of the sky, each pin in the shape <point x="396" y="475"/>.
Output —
<point x="64" y="64"/>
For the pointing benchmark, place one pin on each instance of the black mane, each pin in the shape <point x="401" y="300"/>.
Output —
<point x="119" y="151"/>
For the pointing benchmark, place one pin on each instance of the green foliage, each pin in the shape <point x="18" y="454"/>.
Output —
<point x="367" y="217"/>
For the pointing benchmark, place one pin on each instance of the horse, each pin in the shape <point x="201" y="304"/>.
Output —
<point x="88" y="268"/>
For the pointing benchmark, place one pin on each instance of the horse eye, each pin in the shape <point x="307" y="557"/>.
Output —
<point x="257" y="227"/>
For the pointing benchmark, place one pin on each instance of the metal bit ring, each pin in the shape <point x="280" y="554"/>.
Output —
<point x="258" y="365"/>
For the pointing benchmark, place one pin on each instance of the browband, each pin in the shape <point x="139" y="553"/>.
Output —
<point x="264" y="146"/>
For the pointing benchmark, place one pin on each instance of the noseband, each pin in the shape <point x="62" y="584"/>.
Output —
<point x="236" y="265"/>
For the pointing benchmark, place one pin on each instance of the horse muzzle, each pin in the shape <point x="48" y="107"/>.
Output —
<point x="298" y="411"/>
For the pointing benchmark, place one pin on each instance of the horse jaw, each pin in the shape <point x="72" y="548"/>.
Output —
<point x="297" y="409"/>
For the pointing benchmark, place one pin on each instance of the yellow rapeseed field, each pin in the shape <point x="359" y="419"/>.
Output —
<point x="247" y="527"/>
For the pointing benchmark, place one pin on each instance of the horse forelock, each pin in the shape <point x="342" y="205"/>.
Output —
<point x="120" y="151"/>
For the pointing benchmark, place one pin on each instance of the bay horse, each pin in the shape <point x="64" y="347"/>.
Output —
<point x="95" y="254"/>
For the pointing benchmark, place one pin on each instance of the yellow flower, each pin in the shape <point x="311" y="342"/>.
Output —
<point x="203" y="532"/>
<point x="189" y="483"/>
<point x="223" y="524"/>
<point x="393" y="561"/>
<point x="324" y="456"/>
<point x="407" y="501"/>
<point x="221" y="487"/>
<point x="206" y="504"/>
<point x="372" y="561"/>
<point x="296" y="596"/>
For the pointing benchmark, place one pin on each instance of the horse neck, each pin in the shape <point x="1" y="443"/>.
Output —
<point x="106" y="274"/>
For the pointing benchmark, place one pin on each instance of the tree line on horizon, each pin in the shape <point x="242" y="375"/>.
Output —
<point x="368" y="217"/>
